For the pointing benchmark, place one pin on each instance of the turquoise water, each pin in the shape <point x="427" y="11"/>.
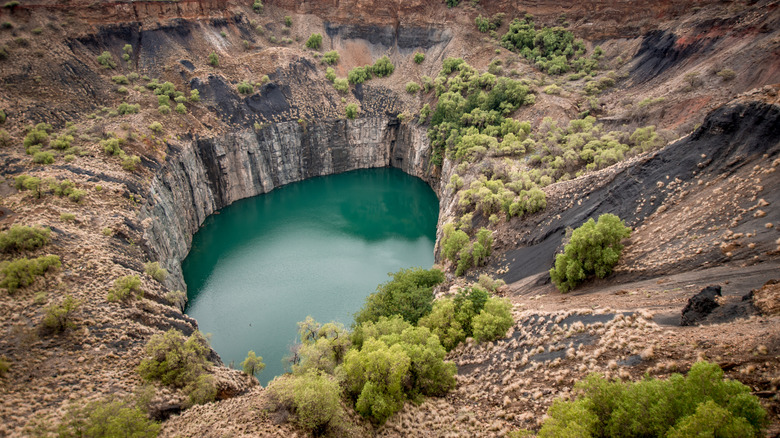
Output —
<point x="317" y="247"/>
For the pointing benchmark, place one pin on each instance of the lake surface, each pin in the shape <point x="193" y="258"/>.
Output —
<point x="316" y="247"/>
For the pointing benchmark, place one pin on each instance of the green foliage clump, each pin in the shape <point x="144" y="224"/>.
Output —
<point x="331" y="57"/>
<point x="22" y="272"/>
<point x="330" y="74"/>
<point x="257" y="6"/>
<point x="493" y="320"/>
<point x="43" y="157"/>
<point x="106" y="60"/>
<point x="323" y="346"/>
<point x="107" y="419"/>
<point x="213" y="59"/>
<point x="253" y="364"/>
<point x="419" y="57"/>
<point x="314" y="41"/>
<point x="181" y="362"/>
<point x="245" y="87"/>
<point x="5" y="138"/>
<point x="313" y="398"/>
<point x="120" y="79"/>
<point x="351" y="111"/>
<point x="128" y="108"/>
<point x="383" y="67"/>
<point x="409" y="294"/>
<point x="36" y="137"/>
<point x="156" y="127"/>
<point x="5" y="366"/>
<point x="341" y="85"/>
<point x="452" y="3"/>
<point x="154" y="270"/>
<point x="485" y="24"/>
<point x="412" y="87"/>
<point x="125" y="288"/>
<point x="699" y="404"/>
<point x="358" y="75"/>
<point x="594" y="249"/>
<point x="27" y="182"/>
<point x="726" y="74"/>
<point x="457" y="247"/>
<point x="59" y="317"/>
<point x="288" y="21"/>
<point x="394" y="361"/>
<point x="21" y="238"/>
<point x="194" y="95"/>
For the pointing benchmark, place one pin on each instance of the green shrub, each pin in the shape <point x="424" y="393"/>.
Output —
<point x="12" y="4"/>
<point x="213" y="59"/>
<point x="451" y="318"/>
<point x="358" y="75"/>
<point x="412" y="87"/>
<point x="313" y="398"/>
<point x="314" y="41"/>
<point x="700" y="404"/>
<point x="5" y="138"/>
<point x="120" y="79"/>
<point x="106" y="418"/>
<point x="287" y="21"/>
<point x="726" y="74"/>
<point x="174" y="360"/>
<point x="351" y="111"/>
<point x="59" y="317"/>
<point x="194" y="95"/>
<point x="21" y="238"/>
<point x="245" y="87"/>
<point x="35" y="137"/>
<point x="409" y="294"/>
<point x="154" y="270"/>
<point x="419" y="57"/>
<point x="5" y="366"/>
<point x="331" y="57"/>
<point x="594" y="249"/>
<point x="43" y="157"/>
<point x="341" y="85"/>
<point x="180" y="108"/>
<point x="330" y="74"/>
<point x="22" y="272"/>
<point x="452" y="3"/>
<point x="383" y="67"/>
<point x="67" y="217"/>
<point x="27" y="182"/>
<point x="156" y="127"/>
<point x="127" y="108"/>
<point x="112" y="145"/>
<point x="176" y="298"/>
<point x="62" y="142"/>
<point x="164" y="109"/>
<point x="493" y="321"/>
<point x="257" y="6"/>
<point x="253" y="364"/>
<point x="125" y="288"/>
<point x="130" y="162"/>
<point x="106" y="60"/>
<point x="395" y="361"/>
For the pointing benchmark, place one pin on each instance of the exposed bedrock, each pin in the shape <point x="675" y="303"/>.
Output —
<point x="206" y="174"/>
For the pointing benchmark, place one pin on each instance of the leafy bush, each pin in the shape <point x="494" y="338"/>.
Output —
<point x="128" y="108"/>
<point x="726" y="74"/>
<point x="5" y="138"/>
<point x="43" y="157"/>
<point x="213" y="59"/>
<point x="154" y="270"/>
<point x="451" y="318"/>
<point x="22" y="272"/>
<point x="180" y="362"/>
<point x="452" y="3"/>
<point x="383" y="67"/>
<point x="106" y="60"/>
<point x="257" y="6"/>
<point x="409" y="294"/>
<point x="35" y="137"/>
<point x="594" y="248"/>
<point x="700" y="404"/>
<point x="493" y="320"/>
<point x="62" y="142"/>
<point x="156" y="127"/>
<point x="330" y="74"/>
<point x="341" y="85"/>
<point x="106" y="419"/>
<point x="351" y="111"/>
<point x="395" y="361"/>
<point x="313" y="398"/>
<point x="253" y="364"/>
<point x="412" y="87"/>
<point x="21" y="238"/>
<point x="194" y="95"/>
<point x="358" y="75"/>
<point x="331" y="57"/>
<point x="130" y="162"/>
<point x="553" y="50"/>
<point x="5" y="366"/>
<point x="314" y="41"/>
<point x="245" y="87"/>
<point x="59" y="317"/>
<point x="419" y="57"/>
<point x="27" y="182"/>
<point x="124" y="288"/>
<point x="323" y="346"/>
<point x="120" y="79"/>
<point x="287" y="21"/>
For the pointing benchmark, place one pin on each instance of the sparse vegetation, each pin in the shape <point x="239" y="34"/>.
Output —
<point x="313" y="398"/>
<point x="245" y="87"/>
<point x="154" y="270"/>
<point x="106" y="418"/>
<point x="594" y="249"/>
<point x="213" y="59"/>
<point x="351" y="111"/>
<point x="330" y="58"/>
<point x="412" y="87"/>
<point x="106" y="60"/>
<point x="59" y="317"/>
<point x="315" y="42"/>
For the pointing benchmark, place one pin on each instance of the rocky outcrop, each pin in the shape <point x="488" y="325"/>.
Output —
<point x="206" y="174"/>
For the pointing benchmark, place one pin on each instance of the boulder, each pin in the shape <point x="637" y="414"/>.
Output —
<point x="700" y="305"/>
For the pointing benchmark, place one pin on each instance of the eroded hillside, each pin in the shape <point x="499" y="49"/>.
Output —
<point x="161" y="113"/>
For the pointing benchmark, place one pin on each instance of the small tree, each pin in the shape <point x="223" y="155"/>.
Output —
<point x="253" y="364"/>
<point x="419" y="57"/>
<point x="351" y="111"/>
<point x="213" y="59"/>
<point x="594" y="249"/>
<point x="59" y="317"/>
<point x="331" y="57"/>
<point x="315" y="41"/>
<point x="21" y="238"/>
<point x="412" y="87"/>
<point x="383" y="67"/>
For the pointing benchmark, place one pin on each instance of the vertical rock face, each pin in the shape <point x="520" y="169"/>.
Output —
<point x="207" y="174"/>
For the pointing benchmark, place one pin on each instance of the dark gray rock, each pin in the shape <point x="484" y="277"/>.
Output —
<point x="700" y="306"/>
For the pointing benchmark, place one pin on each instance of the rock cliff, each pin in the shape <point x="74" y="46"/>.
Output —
<point x="206" y="174"/>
